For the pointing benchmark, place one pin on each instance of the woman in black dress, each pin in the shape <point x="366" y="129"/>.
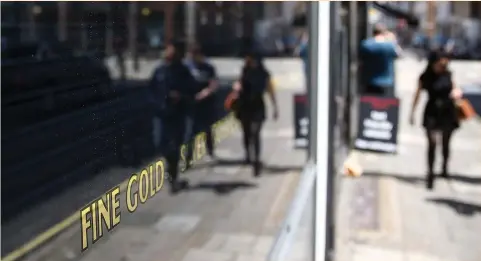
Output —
<point x="250" y="107"/>
<point x="440" y="117"/>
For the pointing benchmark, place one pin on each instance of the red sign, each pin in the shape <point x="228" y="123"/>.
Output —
<point x="380" y="103"/>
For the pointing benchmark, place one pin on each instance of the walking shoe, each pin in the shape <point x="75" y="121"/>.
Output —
<point x="430" y="181"/>
<point x="445" y="174"/>
<point x="177" y="186"/>
<point x="257" y="168"/>
<point x="211" y="154"/>
<point x="247" y="160"/>
<point x="188" y="164"/>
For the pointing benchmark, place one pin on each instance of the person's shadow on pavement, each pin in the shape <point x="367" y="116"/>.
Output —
<point x="222" y="187"/>
<point x="414" y="179"/>
<point x="464" y="178"/>
<point x="266" y="168"/>
<point x="462" y="208"/>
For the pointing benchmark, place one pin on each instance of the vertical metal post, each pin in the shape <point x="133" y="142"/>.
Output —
<point x="363" y="32"/>
<point x="331" y="83"/>
<point x="32" y="30"/>
<point x="190" y="25"/>
<point x="62" y="21"/>
<point x="169" y="10"/>
<point x="431" y="25"/>
<point x="313" y="27"/>
<point x="320" y="41"/>
<point x="132" y="27"/>
<point x="411" y="7"/>
<point x="363" y="23"/>
<point x="312" y="76"/>
<point x="109" y="35"/>
<point x="353" y="67"/>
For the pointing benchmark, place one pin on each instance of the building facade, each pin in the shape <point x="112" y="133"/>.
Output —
<point x="143" y="27"/>
<point x="134" y="26"/>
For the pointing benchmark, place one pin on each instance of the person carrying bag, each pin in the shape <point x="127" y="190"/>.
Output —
<point x="465" y="110"/>
<point x="443" y="110"/>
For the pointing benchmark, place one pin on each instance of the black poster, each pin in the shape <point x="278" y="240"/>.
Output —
<point x="301" y="121"/>
<point x="378" y="124"/>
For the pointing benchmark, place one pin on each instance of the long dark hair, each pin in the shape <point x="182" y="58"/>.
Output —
<point x="248" y="71"/>
<point x="433" y="57"/>
<point x="257" y="57"/>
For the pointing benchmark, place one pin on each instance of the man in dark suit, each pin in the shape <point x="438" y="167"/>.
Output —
<point x="173" y="90"/>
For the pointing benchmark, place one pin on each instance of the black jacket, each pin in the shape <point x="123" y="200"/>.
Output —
<point x="172" y="77"/>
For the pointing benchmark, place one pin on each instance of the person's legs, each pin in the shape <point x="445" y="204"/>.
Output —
<point x="168" y="148"/>
<point x="208" y="118"/>
<point x="190" y="123"/>
<point x="246" y="127"/>
<point x="209" y="139"/>
<point x="431" y="153"/>
<point x="203" y="124"/>
<point x="175" y="135"/>
<point x="446" y="142"/>
<point x="256" y="140"/>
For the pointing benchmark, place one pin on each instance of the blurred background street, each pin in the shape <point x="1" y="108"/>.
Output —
<point x="77" y="120"/>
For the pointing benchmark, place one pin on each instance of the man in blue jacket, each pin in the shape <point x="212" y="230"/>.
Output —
<point x="173" y="92"/>
<point x="377" y="62"/>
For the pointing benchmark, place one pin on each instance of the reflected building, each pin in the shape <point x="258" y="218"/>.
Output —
<point x="86" y="25"/>
<point x="140" y="27"/>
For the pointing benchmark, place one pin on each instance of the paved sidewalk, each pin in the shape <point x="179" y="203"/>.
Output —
<point x="387" y="214"/>
<point x="226" y="215"/>
<point x="302" y="247"/>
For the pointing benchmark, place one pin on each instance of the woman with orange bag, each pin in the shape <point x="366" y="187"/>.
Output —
<point x="440" y="113"/>
<point x="247" y="102"/>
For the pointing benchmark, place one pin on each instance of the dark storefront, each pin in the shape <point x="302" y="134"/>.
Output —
<point x="141" y="27"/>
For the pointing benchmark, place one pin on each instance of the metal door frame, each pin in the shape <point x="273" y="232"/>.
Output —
<point x="322" y="28"/>
<point x="318" y="176"/>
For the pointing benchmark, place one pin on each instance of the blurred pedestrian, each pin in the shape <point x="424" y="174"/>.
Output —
<point x="303" y="51"/>
<point x="204" y="109"/>
<point x="377" y="62"/>
<point x="419" y="45"/>
<point x="173" y="89"/>
<point x="440" y="114"/>
<point x="449" y="46"/>
<point x="250" y="107"/>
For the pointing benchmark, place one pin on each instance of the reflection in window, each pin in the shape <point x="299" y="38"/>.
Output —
<point x="203" y="17"/>
<point x="219" y="19"/>
<point x="151" y="28"/>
